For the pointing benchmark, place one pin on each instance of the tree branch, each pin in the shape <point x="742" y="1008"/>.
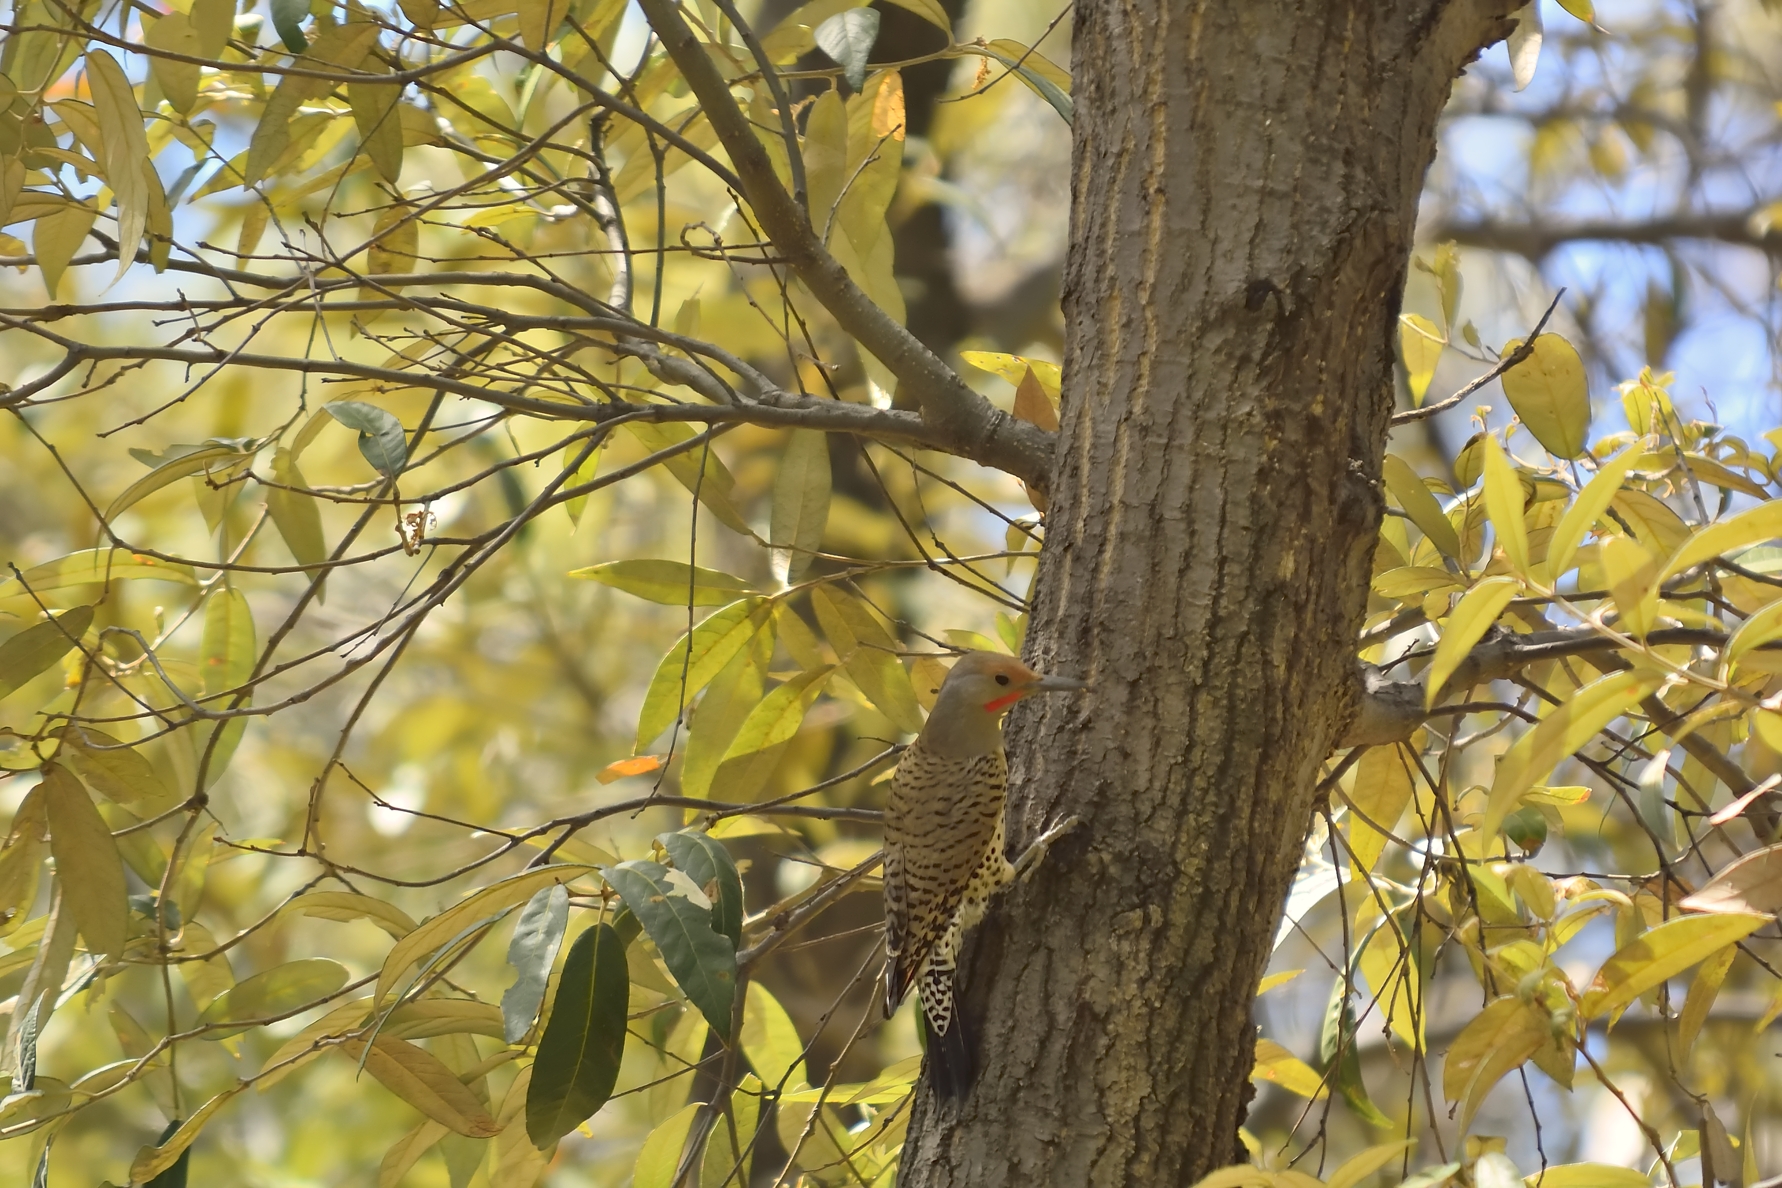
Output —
<point x="1535" y="240"/>
<point x="971" y="425"/>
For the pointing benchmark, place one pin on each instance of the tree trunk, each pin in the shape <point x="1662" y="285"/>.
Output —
<point x="1246" y="178"/>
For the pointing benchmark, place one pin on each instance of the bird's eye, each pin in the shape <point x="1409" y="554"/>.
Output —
<point x="1002" y="678"/>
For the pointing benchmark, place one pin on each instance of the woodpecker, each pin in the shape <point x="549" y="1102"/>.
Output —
<point x="944" y="854"/>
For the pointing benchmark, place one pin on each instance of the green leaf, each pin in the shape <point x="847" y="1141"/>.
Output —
<point x="1042" y="77"/>
<point x="1404" y="485"/>
<point x="1420" y="346"/>
<point x="779" y="715"/>
<point x="848" y="37"/>
<point x="660" y="1157"/>
<point x="1565" y="728"/>
<point x="87" y="863"/>
<point x="668" y="582"/>
<point x="694" y="660"/>
<point x="532" y="952"/>
<point x="1659" y="955"/>
<point x="1504" y="504"/>
<point x="1549" y="392"/>
<point x="37" y="647"/>
<point x="678" y="918"/>
<point x="288" y="17"/>
<point x="1342" y="1057"/>
<point x="725" y="705"/>
<point x="276" y="991"/>
<point x="800" y="497"/>
<point x="1466" y="626"/>
<point x="584" y="1041"/>
<point x="381" y="439"/>
<point x="1585" y="11"/>
<point x="705" y="860"/>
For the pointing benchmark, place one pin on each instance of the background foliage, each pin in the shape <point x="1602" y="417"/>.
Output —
<point x="390" y="389"/>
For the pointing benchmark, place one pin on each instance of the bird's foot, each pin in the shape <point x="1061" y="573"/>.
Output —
<point x="1034" y="854"/>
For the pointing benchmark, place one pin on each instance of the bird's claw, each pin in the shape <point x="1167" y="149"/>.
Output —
<point x="1035" y="853"/>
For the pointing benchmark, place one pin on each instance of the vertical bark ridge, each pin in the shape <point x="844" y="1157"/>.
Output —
<point x="1245" y="183"/>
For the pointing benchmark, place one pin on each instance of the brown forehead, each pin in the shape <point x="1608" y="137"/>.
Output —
<point x="991" y="664"/>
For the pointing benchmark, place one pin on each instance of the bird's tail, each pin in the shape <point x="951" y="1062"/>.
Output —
<point x="950" y="1068"/>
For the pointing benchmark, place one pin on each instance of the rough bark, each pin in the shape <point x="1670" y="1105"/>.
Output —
<point x="1245" y="185"/>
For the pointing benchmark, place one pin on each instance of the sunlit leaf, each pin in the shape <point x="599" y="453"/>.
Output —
<point x="579" y="1053"/>
<point x="152" y="1161"/>
<point x="1589" y="507"/>
<point x="424" y="1082"/>
<point x="1754" y="526"/>
<point x="92" y="567"/>
<point x="1466" y="626"/>
<point x="1504" y="504"/>
<point x="673" y="583"/>
<point x="1751" y="884"/>
<point x="274" y="993"/>
<point x="1588" y="1175"/>
<point x="1278" y="1066"/>
<point x="35" y="649"/>
<point x="1661" y="954"/>
<point x="1548" y="389"/>
<point x="1499" y="1039"/>
<point x="1420" y="346"/>
<point x="1360" y="1166"/>
<point x="770" y="1040"/>
<point x="660" y="1157"/>
<point x="800" y="499"/>
<point x="295" y="512"/>
<point x="694" y="660"/>
<point x="346" y="906"/>
<point x="1700" y="1000"/>
<point x="870" y="653"/>
<point x="126" y="150"/>
<point x="87" y="863"/>
<point x="1403" y="484"/>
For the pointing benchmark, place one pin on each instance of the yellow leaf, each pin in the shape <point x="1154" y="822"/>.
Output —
<point x="378" y="119"/>
<point x="1277" y="979"/>
<point x="1276" y="1064"/>
<point x="1565" y="728"/>
<point x="1383" y="791"/>
<point x="485" y="905"/>
<point x="1761" y="628"/>
<point x="1032" y="404"/>
<point x="770" y="1040"/>
<point x="1700" y="1001"/>
<point x="1014" y="368"/>
<point x="345" y="906"/>
<point x="1466" y="626"/>
<point x="1410" y="581"/>
<point x="1632" y="575"/>
<point x="1654" y="524"/>
<point x="56" y="236"/>
<point x="539" y="20"/>
<point x="1359" y="1167"/>
<point x="695" y="660"/>
<point x="424" y="1082"/>
<point x="1420" y="346"/>
<point x="888" y="118"/>
<point x="1761" y="523"/>
<point x="1590" y="506"/>
<point x="152" y="1161"/>
<point x="87" y="863"/>
<point x="173" y="33"/>
<point x="1504" y="504"/>
<point x="660" y="1156"/>
<point x="1588" y="1175"/>
<point x="407" y="1150"/>
<point x="930" y="11"/>
<point x="1404" y="485"/>
<point x="801" y="493"/>
<point x="1661" y="954"/>
<point x="126" y="150"/>
<point x="1500" y="1038"/>
<point x="1549" y="392"/>
<point x="870" y="653"/>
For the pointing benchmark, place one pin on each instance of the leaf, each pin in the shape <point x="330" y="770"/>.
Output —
<point x="713" y="481"/>
<point x="518" y="1164"/>
<point x="126" y="150"/>
<point x="1360" y="1166"/>
<point x="660" y="1157"/>
<point x="1404" y="485"/>
<point x="1339" y="1051"/>
<point x="777" y="718"/>
<point x="116" y="771"/>
<point x="1751" y="884"/>
<point x="1420" y="346"/>
<point x="173" y="33"/>
<point x="228" y="658"/>
<point x="800" y="500"/>
<point x="1383" y="790"/>
<point x="407" y="1152"/>
<point x="1758" y="524"/>
<point x="1500" y="1038"/>
<point x="532" y="952"/>
<point x="1659" y="955"/>
<point x="21" y="862"/>
<point x="730" y="698"/>
<point x="275" y="992"/>
<point x="1277" y="1065"/>
<point x="672" y="583"/>
<point x="424" y="1082"/>
<point x="1585" y="11"/>
<point x="634" y="766"/>
<point x="55" y="237"/>
<point x="928" y="10"/>
<point x="847" y="37"/>
<point x="870" y="654"/>
<point x="1549" y="392"/>
<point x="1588" y="1175"/>
<point x="39" y="646"/>
<point x="1466" y="626"/>
<point x="345" y="906"/>
<point x="579" y="1054"/>
<point x="214" y="22"/>
<point x="692" y="662"/>
<point x="175" y="1175"/>
<point x="1590" y="506"/>
<point x="381" y="439"/>
<point x="1702" y="991"/>
<point x="176" y="468"/>
<point x="539" y="22"/>
<point x="1525" y="43"/>
<point x="1014" y="368"/>
<point x="1504" y="504"/>
<point x="770" y="1040"/>
<point x="287" y="19"/>
<point x="295" y="512"/>
<point x="1033" y="405"/>
<point x="1041" y="76"/>
<point x="1632" y="576"/>
<point x="706" y="860"/>
<point x="152" y="1161"/>
<point x="485" y="906"/>
<point x="702" y="961"/>
<point x="395" y="247"/>
<point x="1566" y="728"/>
<point x="87" y="863"/>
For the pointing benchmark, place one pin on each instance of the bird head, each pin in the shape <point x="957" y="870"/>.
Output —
<point x="978" y="691"/>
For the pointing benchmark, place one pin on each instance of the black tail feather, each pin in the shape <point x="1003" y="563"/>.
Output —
<point x="950" y="1068"/>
